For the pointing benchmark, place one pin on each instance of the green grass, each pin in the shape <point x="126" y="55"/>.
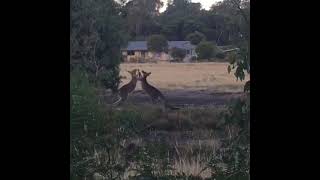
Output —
<point x="144" y="140"/>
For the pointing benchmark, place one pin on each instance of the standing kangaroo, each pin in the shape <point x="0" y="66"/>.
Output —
<point x="127" y="88"/>
<point x="153" y="92"/>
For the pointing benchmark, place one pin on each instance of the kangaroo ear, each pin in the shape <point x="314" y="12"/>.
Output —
<point x="149" y="73"/>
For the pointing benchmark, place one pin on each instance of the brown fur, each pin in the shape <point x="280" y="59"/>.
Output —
<point x="128" y="88"/>
<point x="153" y="92"/>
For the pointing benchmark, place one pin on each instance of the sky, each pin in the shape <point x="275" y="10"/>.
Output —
<point x="206" y="4"/>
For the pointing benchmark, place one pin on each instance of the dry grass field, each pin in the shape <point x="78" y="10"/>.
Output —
<point x="212" y="77"/>
<point x="191" y="134"/>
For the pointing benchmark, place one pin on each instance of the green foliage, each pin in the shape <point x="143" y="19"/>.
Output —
<point x="223" y="23"/>
<point x="140" y="16"/>
<point x="128" y="122"/>
<point x="206" y="50"/>
<point x="235" y="151"/>
<point x="96" y="34"/>
<point x="233" y="17"/>
<point x="240" y="61"/>
<point x="178" y="53"/>
<point x="180" y="19"/>
<point x="97" y="132"/>
<point x="152" y="161"/>
<point x="195" y="38"/>
<point x="247" y="87"/>
<point x="220" y="55"/>
<point x="87" y="115"/>
<point x="239" y="113"/>
<point x="89" y="122"/>
<point x="109" y="78"/>
<point x="157" y="43"/>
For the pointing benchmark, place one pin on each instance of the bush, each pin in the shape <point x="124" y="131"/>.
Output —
<point x="206" y="50"/>
<point x="86" y="116"/>
<point x="109" y="79"/>
<point x="178" y="53"/>
<point x="96" y="132"/>
<point x="220" y="55"/>
<point x="88" y="121"/>
<point x="94" y="46"/>
<point x="240" y="61"/>
<point x="157" y="43"/>
<point x="195" y="38"/>
<point x="235" y="150"/>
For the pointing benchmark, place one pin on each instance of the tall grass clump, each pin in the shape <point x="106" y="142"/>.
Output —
<point x="94" y="139"/>
<point x="87" y="116"/>
<point x="234" y="153"/>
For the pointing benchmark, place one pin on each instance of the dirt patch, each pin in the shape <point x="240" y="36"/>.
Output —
<point x="183" y="97"/>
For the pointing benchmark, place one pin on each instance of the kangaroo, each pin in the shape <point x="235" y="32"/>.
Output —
<point x="153" y="92"/>
<point x="124" y="91"/>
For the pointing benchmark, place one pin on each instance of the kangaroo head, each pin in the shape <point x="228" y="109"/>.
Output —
<point x="146" y="74"/>
<point x="133" y="73"/>
<point x="143" y="76"/>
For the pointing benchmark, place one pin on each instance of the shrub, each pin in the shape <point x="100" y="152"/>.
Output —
<point x="195" y="38"/>
<point x="235" y="150"/>
<point x="157" y="43"/>
<point x="86" y="116"/>
<point x="220" y="55"/>
<point x="206" y="50"/>
<point x="109" y="79"/>
<point x="92" y="149"/>
<point x="178" y="53"/>
<point x="94" y="46"/>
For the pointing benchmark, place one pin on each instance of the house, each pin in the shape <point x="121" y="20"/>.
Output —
<point x="137" y="51"/>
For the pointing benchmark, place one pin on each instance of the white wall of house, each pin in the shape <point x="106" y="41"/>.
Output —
<point x="159" y="56"/>
<point x="135" y="57"/>
<point x="153" y="56"/>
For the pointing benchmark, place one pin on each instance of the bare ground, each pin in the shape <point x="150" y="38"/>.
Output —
<point x="185" y="84"/>
<point x="184" y="97"/>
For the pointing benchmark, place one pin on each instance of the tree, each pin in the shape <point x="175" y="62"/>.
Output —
<point x="140" y="16"/>
<point x="206" y="50"/>
<point x="240" y="61"/>
<point x="178" y="53"/>
<point x="157" y="43"/>
<point x="96" y="34"/>
<point x="195" y="38"/>
<point x="180" y="19"/>
<point x="235" y="26"/>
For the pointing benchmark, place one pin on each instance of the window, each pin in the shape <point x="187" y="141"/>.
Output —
<point x="130" y="53"/>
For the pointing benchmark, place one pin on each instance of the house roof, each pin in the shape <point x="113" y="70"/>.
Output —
<point x="142" y="45"/>
<point x="136" y="45"/>
<point x="180" y="44"/>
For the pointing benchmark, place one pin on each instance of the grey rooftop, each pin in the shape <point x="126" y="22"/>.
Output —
<point x="142" y="45"/>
